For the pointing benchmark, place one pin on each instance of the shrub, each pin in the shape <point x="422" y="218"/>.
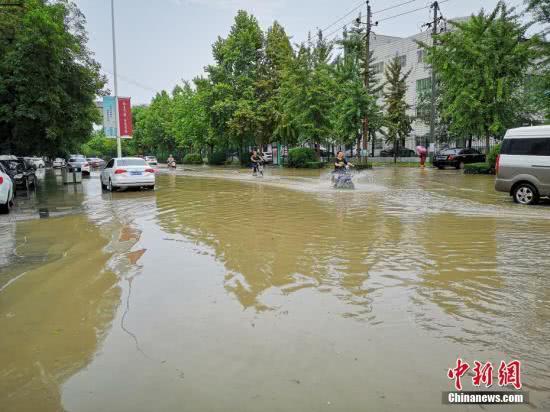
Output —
<point x="217" y="158"/>
<point x="492" y="156"/>
<point x="314" y="165"/>
<point x="245" y="159"/>
<point x="300" y="156"/>
<point x="362" y="166"/>
<point x="192" y="159"/>
<point x="477" y="169"/>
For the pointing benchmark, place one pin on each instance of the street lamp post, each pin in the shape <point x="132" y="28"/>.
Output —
<point x="118" y="142"/>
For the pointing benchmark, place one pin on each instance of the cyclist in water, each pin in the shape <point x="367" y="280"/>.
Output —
<point x="256" y="160"/>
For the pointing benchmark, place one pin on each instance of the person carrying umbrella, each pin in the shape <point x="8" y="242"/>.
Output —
<point x="422" y="152"/>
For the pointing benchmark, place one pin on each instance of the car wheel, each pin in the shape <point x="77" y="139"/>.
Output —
<point x="152" y="187"/>
<point x="110" y="186"/>
<point x="460" y="166"/>
<point x="5" y="208"/>
<point x="526" y="194"/>
<point x="103" y="187"/>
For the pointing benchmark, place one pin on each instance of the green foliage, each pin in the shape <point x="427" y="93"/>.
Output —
<point x="245" y="159"/>
<point x="300" y="156"/>
<point x="481" y="66"/>
<point x="478" y="169"/>
<point x="48" y="79"/>
<point x="193" y="159"/>
<point x="99" y="146"/>
<point x="492" y="156"/>
<point x="397" y="122"/>
<point x="217" y="158"/>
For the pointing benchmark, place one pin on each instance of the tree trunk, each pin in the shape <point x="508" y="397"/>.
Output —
<point x="395" y="149"/>
<point x="487" y="144"/>
<point x="373" y="143"/>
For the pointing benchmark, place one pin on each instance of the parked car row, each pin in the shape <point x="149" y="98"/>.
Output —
<point x="7" y="190"/>
<point x="21" y="171"/>
<point x="457" y="158"/>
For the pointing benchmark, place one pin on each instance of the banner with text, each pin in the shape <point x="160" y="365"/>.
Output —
<point x="125" y="117"/>
<point x="109" y="121"/>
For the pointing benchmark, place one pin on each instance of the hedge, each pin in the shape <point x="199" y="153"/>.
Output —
<point x="301" y="156"/>
<point x="217" y="158"/>
<point x="193" y="159"/>
<point x="478" y="169"/>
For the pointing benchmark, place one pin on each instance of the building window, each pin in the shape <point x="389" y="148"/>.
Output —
<point x="403" y="60"/>
<point x="421" y="53"/>
<point x="378" y="68"/>
<point x="423" y="86"/>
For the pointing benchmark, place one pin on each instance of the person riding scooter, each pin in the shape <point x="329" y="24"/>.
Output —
<point x="341" y="178"/>
<point x="171" y="161"/>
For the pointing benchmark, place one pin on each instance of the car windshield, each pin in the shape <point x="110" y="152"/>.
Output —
<point x="73" y="160"/>
<point x="450" y="151"/>
<point x="131" y="162"/>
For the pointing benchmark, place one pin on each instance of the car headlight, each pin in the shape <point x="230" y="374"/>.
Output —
<point x="19" y="176"/>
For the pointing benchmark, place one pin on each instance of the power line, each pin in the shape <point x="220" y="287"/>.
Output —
<point x="132" y="81"/>
<point x="409" y="12"/>
<point x="361" y="4"/>
<point x="394" y="7"/>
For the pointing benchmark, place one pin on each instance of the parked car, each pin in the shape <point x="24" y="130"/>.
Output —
<point x="151" y="161"/>
<point x="268" y="157"/>
<point x="59" y="163"/>
<point x="79" y="162"/>
<point x="126" y="172"/>
<point x="403" y="152"/>
<point x="22" y="173"/>
<point x="7" y="191"/>
<point x="95" y="162"/>
<point x="457" y="157"/>
<point x="523" y="166"/>
<point x="38" y="162"/>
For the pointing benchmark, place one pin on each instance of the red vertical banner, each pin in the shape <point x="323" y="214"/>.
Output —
<point x="125" y="117"/>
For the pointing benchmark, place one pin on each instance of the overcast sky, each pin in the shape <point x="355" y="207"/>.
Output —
<point x="161" y="42"/>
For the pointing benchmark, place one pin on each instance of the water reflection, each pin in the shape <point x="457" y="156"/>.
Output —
<point x="269" y="238"/>
<point x="55" y="314"/>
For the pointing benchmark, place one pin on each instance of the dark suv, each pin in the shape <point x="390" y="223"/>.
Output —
<point x="21" y="173"/>
<point x="457" y="158"/>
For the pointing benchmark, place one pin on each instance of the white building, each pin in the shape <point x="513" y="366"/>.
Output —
<point x="385" y="49"/>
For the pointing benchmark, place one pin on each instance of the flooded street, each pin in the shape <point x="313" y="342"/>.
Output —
<point x="223" y="292"/>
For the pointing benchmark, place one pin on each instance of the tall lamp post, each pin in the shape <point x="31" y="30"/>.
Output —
<point x="118" y="142"/>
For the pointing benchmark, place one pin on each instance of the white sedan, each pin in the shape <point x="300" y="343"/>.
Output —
<point x="7" y="191"/>
<point x="127" y="172"/>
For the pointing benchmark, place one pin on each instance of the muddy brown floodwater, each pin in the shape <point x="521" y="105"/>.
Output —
<point x="221" y="292"/>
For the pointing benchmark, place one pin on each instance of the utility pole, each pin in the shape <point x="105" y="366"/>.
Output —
<point x="435" y="7"/>
<point x="118" y="142"/>
<point x="367" y="74"/>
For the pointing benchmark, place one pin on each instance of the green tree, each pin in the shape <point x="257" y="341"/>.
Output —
<point x="397" y="122"/>
<point x="189" y="119"/>
<point x="481" y="66"/>
<point x="48" y="79"/>
<point x="235" y="112"/>
<point x="307" y="95"/>
<point x="354" y="101"/>
<point x="277" y="57"/>
<point x="539" y="82"/>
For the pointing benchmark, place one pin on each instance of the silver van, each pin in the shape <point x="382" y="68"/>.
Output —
<point x="523" y="167"/>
